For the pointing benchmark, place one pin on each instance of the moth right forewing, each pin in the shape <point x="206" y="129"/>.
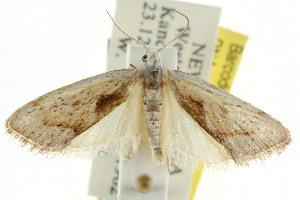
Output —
<point x="244" y="130"/>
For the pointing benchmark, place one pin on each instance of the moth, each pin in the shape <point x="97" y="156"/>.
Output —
<point x="185" y="118"/>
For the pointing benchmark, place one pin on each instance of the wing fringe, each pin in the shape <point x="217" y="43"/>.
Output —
<point x="33" y="146"/>
<point x="245" y="160"/>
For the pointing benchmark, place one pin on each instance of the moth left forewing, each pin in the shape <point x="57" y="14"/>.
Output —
<point x="245" y="131"/>
<point x="50" y="122"/>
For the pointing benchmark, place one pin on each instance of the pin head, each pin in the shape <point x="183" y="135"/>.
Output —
<point x="144" y="183"/>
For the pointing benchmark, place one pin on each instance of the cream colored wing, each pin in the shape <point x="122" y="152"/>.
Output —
<point x="61" y="120"/>
<point x="182" y="139"/>
<point x="244" y="131"/>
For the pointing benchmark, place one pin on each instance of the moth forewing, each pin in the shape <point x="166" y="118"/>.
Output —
<point x="243" y="130"/>
<point x="50" y="122"/>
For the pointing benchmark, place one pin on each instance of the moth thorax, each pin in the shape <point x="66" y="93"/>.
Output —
<point x="153" y="77"/>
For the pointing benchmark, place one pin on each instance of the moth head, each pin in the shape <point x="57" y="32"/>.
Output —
<point x="151" y="58"/>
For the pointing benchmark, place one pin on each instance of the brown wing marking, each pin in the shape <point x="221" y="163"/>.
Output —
<point x="51" y="121"/>
<point x="245" y="131"/>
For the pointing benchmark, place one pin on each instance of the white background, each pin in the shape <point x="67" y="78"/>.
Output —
<point x="47" y="44"/>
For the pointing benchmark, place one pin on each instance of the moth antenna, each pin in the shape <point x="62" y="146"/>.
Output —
<point x="168" y="164"/>
<point x="181" y="33"/>
<point x="146" y="47"/>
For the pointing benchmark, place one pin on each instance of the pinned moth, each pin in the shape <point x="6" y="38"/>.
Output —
<point x="185" y="118"/>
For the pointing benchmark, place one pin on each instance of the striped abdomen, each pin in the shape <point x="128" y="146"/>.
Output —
<point x="153" y="78"/>
<point x="152" y="107"/>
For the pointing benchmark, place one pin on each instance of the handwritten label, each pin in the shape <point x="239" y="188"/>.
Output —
<point x="104" y="177"/>
<point x="154" y="24"/>
<point x="114" y="182"/>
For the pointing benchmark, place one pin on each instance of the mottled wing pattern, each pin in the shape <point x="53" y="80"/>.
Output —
<point x="57" y="119"/>
<point x="244" y="131"/>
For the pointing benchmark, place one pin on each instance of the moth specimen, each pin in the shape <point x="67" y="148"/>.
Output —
<point x="185" y="118"/>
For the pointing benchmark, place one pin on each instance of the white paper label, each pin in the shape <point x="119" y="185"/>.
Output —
<point x="154" y="24"/>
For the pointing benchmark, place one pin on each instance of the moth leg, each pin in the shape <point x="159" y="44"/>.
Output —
<point x="127" y="157"/>
<point x="132" y="66"/>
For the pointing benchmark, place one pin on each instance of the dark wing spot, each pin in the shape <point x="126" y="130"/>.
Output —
<point x="75" y="103"/>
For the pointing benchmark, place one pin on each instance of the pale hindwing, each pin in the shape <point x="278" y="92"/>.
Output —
<point x="182" y="139"/>
<point x="243" y="130"/>
<point x="54" y="121"/>
<point x="118" y="132"/>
